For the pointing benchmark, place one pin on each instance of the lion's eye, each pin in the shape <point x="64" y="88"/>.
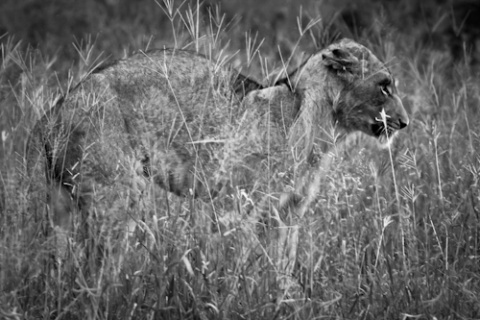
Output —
<point x="385" y="86"/>
<point x="386" y="90"/>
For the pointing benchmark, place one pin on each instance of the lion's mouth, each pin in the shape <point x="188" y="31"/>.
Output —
<point x="378" y="130"/>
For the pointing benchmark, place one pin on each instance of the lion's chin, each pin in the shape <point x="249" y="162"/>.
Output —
<point x="386" y="140"/>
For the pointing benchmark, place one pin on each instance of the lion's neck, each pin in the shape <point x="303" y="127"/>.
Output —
<point x="314" y="129"/>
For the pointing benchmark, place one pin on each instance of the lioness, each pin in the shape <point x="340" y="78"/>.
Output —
<point x="197" y="128"/>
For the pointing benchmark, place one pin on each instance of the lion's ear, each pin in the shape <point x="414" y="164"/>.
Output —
<point x="340" y="59"/>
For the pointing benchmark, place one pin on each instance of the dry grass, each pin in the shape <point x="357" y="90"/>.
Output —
<point x="394" y="234"/>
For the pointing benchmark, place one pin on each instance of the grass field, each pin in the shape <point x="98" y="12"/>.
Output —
<point x="394" y="233"/>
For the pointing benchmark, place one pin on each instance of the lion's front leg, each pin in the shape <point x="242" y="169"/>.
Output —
<point x="293" y="206"/>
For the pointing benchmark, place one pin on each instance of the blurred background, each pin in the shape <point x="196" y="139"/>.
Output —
<point x="118" y="25"/>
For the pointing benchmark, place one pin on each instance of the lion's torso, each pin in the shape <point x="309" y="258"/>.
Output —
<point x="178" y="115"/>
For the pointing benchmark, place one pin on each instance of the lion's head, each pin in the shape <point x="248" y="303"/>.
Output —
<point x="348" y="85"/>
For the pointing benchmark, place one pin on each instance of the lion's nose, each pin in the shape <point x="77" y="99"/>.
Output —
<point x="403" y="123"/>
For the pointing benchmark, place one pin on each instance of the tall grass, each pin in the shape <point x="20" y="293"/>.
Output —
<point x="393" y="233"/>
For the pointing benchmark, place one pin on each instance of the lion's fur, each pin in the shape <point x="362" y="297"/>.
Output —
<point x="196" y="127"/>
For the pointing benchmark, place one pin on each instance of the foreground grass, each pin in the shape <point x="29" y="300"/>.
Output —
<point x="394" y="233"/>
